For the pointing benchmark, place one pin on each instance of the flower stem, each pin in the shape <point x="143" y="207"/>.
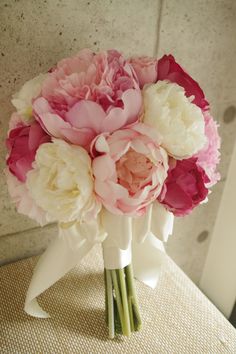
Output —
<point x="122" y="311"/>
<point x="132" y="298"/>
<point x="118" y="299"/>
<point x="110" y="305"/>
<point x="124" y="301"/>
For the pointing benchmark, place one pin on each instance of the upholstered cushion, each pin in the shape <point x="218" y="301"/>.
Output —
<point x="177" y="317"/>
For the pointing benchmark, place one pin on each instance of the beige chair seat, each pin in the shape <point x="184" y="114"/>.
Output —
<point x="177" y="317"/>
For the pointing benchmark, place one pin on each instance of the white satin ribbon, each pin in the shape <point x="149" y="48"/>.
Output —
<point x="142" y="237"/>
<point x="162" y="222"/>
<point x="148" y="251"/>
<point x="117" y="245"/>
<point x="64" y="253"/>
<point x="147" y="259"/>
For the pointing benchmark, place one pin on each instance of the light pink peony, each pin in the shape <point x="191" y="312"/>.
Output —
<point x="169" y="69"/>
<point x="129" y="169"/>
<point x="23" y="201"/>
<point x="88" y="94"/>
<point x="209" y="157"/>
<point x="185" y="186"/>
<point x="22" y="143"/>
<point x="15" y="121"/>
<point x="145" y="69"/>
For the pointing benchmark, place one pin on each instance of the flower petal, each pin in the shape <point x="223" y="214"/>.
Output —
<point x="104" y="168"/>
<point x="119" y="117"/>
<point x="86" y="114"/>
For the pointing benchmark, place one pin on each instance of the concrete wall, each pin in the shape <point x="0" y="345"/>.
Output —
<point x="202" y="36"/>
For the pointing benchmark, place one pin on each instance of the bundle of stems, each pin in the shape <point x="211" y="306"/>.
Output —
<point x="122" y="309"/>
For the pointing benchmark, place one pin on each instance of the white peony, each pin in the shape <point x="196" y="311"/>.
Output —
<point x="22" y="100"/>
<point x="61" y="182"/>
<point x="180" y="122"/>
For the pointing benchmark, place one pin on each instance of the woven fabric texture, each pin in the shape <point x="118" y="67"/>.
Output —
<point x="177" y="317"/>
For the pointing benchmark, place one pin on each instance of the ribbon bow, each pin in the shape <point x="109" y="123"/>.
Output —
<point x="123" y="239"/>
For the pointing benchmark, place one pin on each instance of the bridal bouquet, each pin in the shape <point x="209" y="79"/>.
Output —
<point x="111" y="149"/>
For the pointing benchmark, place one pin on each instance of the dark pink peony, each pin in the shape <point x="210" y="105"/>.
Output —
<point x="88" y="94"/>
<point x="185" y="186"/>
<point x="145" y="69"/>
<point x="22" y="143"/>
<point x="168" y="69"/>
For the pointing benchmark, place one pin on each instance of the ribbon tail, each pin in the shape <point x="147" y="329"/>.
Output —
<point x="147" y="259"/>
<point x="62" y="255"/>
<point x="162" y="221"/>
<point x="148" y="251"/>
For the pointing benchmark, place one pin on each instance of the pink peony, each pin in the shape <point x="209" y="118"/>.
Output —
<point x="15" y="121"/>
<point x="23" y="201"/>
<point x="88" y="94"/>
<point x="209" y="157"/>
<point x="184" y="187"/>
<point x="168" y="69"/>
<point x="22" y="143"/>
<point x="129" y="169"/>
<point x="145" y="69"/>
